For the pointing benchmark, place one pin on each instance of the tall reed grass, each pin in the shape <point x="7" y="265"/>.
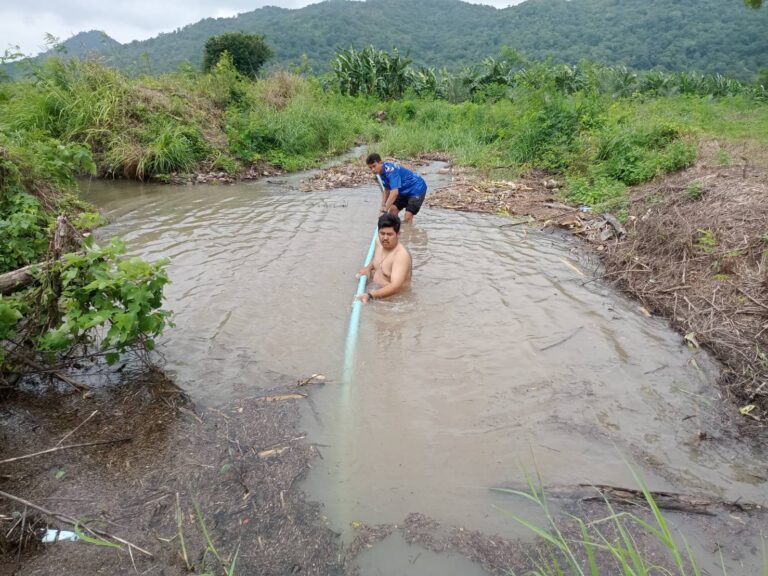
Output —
<point x="621" y="543"/>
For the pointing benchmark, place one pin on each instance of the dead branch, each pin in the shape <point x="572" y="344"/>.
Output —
<point x="664" y="500"/>
<point x="57" y="448"/>
<point x="68" y="434"/>
<point x="762" y="305"/>
<point x="72" y="521"/>
<point x="561" y="341"/>
<point x="60" y="375"/>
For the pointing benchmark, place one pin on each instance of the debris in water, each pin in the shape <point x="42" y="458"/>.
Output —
<point x="572" y="267"/>
<point x="314" y="379"/>
<point x="690" y="339"/>
<point x="293" y="396"/>
<point x="272" y="452"/>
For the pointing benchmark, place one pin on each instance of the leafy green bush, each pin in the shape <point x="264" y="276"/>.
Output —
<point x="34" y="170"/>
<point x="632" y="154"/>
<point x="101" y="290"/>
<point x="549" y="135"/>
<point x="23" y="230"/>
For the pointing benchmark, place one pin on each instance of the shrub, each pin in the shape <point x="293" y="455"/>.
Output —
<point x="248" y="52"/>
<point x="101" y="290"/>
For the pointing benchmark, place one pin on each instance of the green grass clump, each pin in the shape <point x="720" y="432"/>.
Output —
<point x="695" y="190"/>
<point x="609" y="545"/>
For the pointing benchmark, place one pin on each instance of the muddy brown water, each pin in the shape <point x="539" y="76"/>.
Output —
<point x="501" y="359"/>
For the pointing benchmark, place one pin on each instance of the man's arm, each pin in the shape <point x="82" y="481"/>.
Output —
<point x="389" y="199"/>
<point x="366" y="270"/>
<point x="400" y="267"/>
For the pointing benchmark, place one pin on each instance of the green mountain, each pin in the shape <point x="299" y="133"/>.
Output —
<point x="84" y="44"/>
<point x="706" y="35"/>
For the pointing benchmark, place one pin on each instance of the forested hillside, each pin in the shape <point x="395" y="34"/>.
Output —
<point x="706" y="35"/>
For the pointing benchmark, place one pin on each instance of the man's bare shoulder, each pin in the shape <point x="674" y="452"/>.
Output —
<point x="403" y="253"/>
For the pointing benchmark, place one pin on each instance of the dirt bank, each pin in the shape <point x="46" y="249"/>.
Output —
<point x="696" y="252"/>
<point x="237" y="464"/>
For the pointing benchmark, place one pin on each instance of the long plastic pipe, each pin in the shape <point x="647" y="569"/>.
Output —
<point x="345" y="420"/>
<point x="354" y="318"/>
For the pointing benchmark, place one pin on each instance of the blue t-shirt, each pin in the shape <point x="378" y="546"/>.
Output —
<point x="407" y="183"/>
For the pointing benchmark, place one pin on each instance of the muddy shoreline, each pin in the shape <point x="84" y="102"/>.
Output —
<point x="231" y="469"/>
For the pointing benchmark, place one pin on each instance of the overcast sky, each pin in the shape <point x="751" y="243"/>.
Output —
<point x="24" y="23"/>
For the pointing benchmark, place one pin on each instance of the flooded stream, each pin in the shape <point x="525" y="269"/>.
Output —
<point x="502" y="357"/>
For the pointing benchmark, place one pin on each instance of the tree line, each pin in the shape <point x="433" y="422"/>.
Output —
<point x="708" y="36"/>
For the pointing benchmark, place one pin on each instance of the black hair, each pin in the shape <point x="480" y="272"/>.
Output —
<point x="373" y="157"/>
<point x="388" y="220"/>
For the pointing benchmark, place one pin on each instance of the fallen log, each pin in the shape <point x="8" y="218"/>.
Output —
<point x="17" y="279"/>
<point x="664" y="500"/>
<point x="65" y="237"/>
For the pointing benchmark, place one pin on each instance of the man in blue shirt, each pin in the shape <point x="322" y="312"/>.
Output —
<point x="402" y="188"/>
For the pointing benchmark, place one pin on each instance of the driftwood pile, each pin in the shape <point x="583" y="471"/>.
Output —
<point x="344" y="176"/>
<point x="534" y="197"/>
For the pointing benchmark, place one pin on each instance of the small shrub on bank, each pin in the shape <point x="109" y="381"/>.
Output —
<point x="632" y="154"/>
<point x="695" y="191"/>
<point x="101" y="290"/>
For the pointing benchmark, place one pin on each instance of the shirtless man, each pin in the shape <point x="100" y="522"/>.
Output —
<point x="391" y="264"/>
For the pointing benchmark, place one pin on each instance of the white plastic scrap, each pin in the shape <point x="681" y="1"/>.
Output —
<point x="52" y="535"/>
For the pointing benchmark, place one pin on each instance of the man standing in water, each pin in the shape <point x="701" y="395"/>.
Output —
<point x="402" y="188"/>
<point x="391" y="264"/>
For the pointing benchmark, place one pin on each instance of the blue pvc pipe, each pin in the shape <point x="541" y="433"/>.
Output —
<point x="354" y="318"/>
<point x="346" y="416"/>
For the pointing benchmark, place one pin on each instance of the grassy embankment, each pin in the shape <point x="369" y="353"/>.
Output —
<point x="79" y="118"/>
<point x="155" y="127"/>
<point x="601" y="146"/>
